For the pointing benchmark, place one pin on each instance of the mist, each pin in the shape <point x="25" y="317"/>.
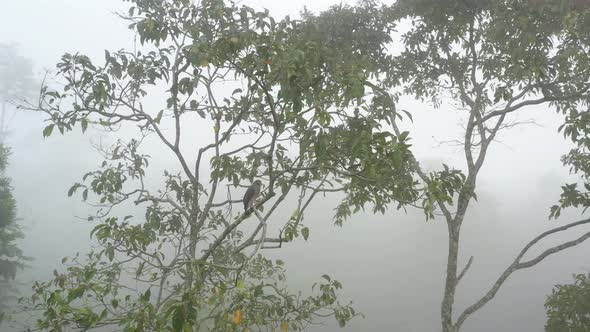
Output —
<point x="392" y="266"/>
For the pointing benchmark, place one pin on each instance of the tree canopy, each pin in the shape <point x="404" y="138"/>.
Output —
<point x="282" y="101"/>
<point x="310" y="107"/>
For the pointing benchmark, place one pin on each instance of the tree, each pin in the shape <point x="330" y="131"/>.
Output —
<point x="568" y="308"/>
<point x="494" y="59"/>
<point x="11" y="256"/>
<point x="15" y="82"/>
<point x="274" y="98"/>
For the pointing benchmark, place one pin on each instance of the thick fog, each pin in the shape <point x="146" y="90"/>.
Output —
<point x="392" y="266"/>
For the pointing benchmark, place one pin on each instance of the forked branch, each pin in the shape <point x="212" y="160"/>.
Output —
<point x="518" y="265"/>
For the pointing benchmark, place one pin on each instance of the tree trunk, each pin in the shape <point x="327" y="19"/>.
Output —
<point x="451" y="280"/>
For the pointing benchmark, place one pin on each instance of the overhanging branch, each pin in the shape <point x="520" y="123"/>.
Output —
<point x="532" y="102"/>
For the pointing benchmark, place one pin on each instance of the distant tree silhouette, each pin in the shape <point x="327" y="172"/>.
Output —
<point x="16" y="82"/>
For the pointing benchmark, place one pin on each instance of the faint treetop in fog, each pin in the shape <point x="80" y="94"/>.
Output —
<point x="16" y="79"/>
<point x="16" y="73"/>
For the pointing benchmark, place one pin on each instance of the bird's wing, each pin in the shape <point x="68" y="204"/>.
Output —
<point x="248" y="196"/>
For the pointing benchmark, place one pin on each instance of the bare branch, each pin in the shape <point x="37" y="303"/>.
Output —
<point x="518" y="265"/>
<point x="531" y="102"/>
<point x="262" y="236"/>
<point x="229" y="201"/>
<point x="231" y="228"/>
<point x="465" y="269"/>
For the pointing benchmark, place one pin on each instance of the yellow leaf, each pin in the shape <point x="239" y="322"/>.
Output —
<point x="285" y="326"/>
<point x="238" y="316"/>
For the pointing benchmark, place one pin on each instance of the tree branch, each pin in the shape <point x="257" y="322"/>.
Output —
<point x="517" y="265"/>
<point x="465" y="269"/>
<point x="510" y="109"/>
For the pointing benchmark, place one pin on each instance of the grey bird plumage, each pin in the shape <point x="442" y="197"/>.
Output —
<point x="251" y="194"/>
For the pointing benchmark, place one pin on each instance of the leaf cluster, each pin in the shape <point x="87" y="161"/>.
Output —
<point x="568" y="307"/>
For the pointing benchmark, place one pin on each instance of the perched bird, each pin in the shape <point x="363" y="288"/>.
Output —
<point x="251" y="194"/>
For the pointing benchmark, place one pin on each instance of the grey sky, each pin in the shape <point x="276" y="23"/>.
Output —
<point x="391" y="266"/>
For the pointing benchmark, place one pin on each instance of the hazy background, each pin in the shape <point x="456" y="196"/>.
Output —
<point x="392" y="266"/>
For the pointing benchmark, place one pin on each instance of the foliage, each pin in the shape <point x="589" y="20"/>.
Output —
<point x="277" y="99"/>
<point x="7" y="202"/>
<point x="517" y="55"/>
<point x="577" y="129"/>
<point x="11" y="256"/>
<point x="568" y="308"/>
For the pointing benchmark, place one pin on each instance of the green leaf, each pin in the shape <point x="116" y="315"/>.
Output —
<point x="147" y="295"/>
<point x="110" y="252"/>
<point x="76" y="293"/>
<point x="73" y="189"/>
<point x="159" y="117"/>
<point x="139" y="270"/>
<point x="305" y="233"/>
<point x="84" y="124"/>
<point x="48" y="130"/>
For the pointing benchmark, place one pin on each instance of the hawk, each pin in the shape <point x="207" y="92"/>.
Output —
<point x="251" y="194"/>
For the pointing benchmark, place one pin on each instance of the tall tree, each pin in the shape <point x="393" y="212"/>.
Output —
<point x="495" y="59"/>
<point x="15" y="82"/>
<point x="274" y="99"/>
<point x="11" y="256"/>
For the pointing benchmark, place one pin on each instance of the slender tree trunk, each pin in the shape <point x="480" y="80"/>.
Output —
<point x="451" y="279"/>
